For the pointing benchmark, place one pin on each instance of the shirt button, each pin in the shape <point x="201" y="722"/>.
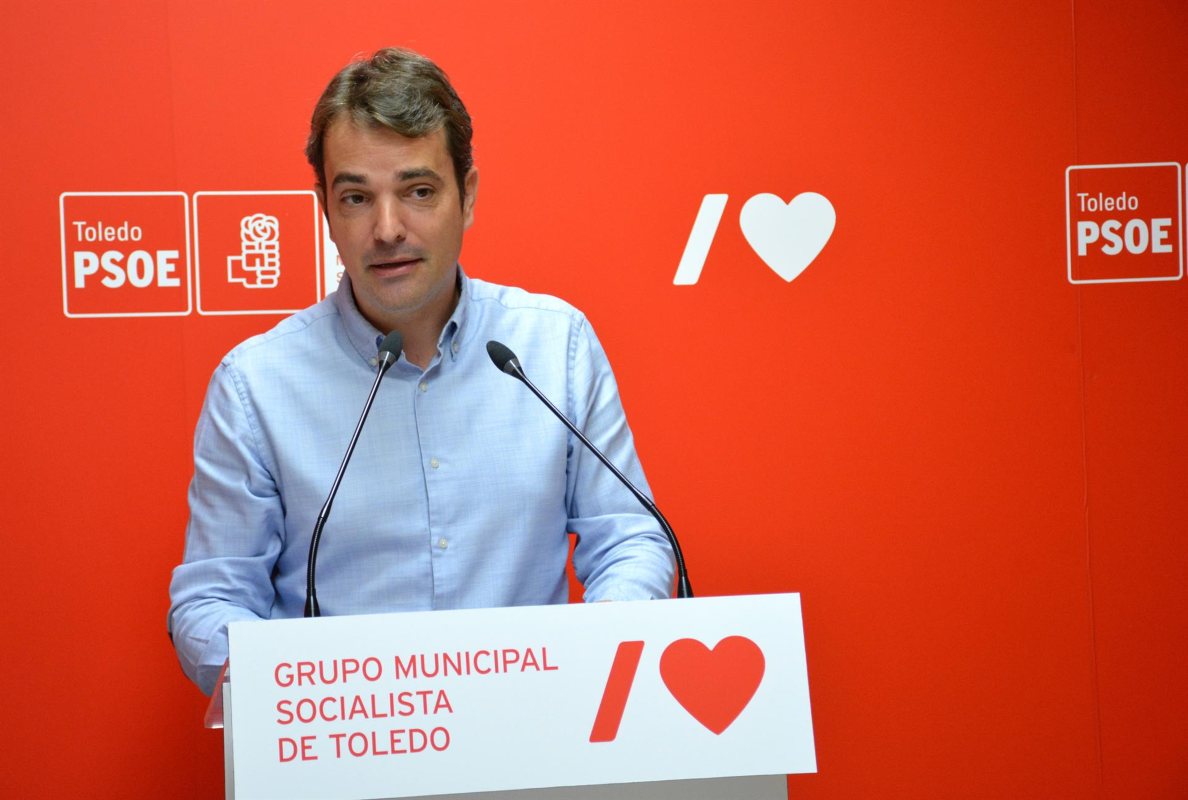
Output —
<point x="424" y="386"/>
<point x="454" y="347"/>
<point x="433" y="462"/>
<point x="442" y="543"/>
<point x="373" y="361"/>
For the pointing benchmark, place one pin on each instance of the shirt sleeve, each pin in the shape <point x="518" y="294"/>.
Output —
<point x="234" y="534"/>
<point x="622" y="553"/>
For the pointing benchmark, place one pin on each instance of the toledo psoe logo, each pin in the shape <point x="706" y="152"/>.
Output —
<point x="1123" y="222"/>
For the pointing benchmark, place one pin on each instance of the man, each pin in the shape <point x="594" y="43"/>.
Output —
<point x="462" y="489"/>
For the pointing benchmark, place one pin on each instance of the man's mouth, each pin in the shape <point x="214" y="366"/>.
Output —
<point x="394" y="266"/>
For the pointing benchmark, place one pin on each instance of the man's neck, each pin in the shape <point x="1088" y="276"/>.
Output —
<point x="420" y="349"/>
<point x="422" y="330"/>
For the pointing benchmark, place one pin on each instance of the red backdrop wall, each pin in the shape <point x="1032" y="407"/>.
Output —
<point x="969" y="464"/>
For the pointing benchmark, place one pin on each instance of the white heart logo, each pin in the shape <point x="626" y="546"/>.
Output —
<point x="787" y="236"/>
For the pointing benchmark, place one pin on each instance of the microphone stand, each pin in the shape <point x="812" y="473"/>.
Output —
<point x="507" y="362"/>
<point x="389" y="352"/>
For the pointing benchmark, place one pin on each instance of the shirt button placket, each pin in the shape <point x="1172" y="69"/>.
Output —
<point x="441" y="543"/>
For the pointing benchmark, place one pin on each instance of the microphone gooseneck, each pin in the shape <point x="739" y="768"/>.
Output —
<point x="387" y="355"/>
<point x="503" y="358"/>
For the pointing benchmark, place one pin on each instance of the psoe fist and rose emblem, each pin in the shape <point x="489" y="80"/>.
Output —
<point x="258" y="264"/>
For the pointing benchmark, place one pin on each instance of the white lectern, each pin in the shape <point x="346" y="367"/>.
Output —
<point x="697" y="699"/>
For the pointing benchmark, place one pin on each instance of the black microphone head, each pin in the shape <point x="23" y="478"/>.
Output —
<point x="504" y="358"/>
<point x="389" y="349"/>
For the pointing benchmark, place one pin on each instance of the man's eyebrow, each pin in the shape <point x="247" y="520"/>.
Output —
<point x="418" y="172"/>
<point x="347" y="177"/>
<point x="412" y="174"/>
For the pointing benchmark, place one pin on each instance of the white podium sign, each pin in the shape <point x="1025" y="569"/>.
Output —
<point x="450" y="702"/>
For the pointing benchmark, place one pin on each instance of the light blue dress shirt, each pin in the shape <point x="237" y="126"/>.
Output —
<point x="460" y="492"/>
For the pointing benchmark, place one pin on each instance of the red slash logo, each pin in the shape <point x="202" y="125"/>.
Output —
<point x="713" y="685"/>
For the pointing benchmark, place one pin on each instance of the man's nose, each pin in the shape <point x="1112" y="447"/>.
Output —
<point x="389" y="221"/>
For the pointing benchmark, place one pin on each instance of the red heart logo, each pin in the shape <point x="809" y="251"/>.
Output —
<point x="714" y="686"/>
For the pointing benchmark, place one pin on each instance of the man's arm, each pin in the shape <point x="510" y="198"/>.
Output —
<point x="234" y="534"/>
<point x="622" y="554"/>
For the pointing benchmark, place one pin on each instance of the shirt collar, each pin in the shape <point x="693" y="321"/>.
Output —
<point x="365" y="339"/>
<point x="359" y="332"/>
<point x="453" y="335"/>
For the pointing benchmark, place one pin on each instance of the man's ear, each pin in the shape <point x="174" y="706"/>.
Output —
<point x="470" y="186"/>
<point x="320" y="191"/>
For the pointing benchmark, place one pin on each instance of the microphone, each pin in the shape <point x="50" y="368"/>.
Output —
<point x="506" y="361"/>
<point x="389" y="352"/>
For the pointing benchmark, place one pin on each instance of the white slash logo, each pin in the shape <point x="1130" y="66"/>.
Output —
<point x="787" y="236"/>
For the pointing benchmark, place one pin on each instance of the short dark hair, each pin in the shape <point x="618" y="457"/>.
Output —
<point x="399" y="90"/>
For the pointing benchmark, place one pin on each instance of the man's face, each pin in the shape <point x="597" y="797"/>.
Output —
<point x="397" y="220"/>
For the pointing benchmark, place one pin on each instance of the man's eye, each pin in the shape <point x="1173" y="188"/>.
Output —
<point x="352" y="199"/>
<point x="422" y="192"/>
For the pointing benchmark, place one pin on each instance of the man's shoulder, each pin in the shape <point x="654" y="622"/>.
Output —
<point x="501" y="299"/>
<point x="291" y="337"/>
